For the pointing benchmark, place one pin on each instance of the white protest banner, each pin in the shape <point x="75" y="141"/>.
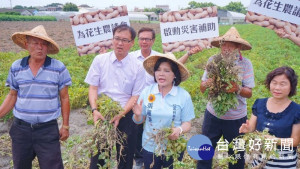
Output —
<point x="189" y="30"/>
<point x="185" y="29"/>
<point x="97" y="31"/>
<point x="281" y="16"/>
<point x="93" y="31"/>
<point x="287" y="10"/>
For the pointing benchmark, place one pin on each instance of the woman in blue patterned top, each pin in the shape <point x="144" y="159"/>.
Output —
<point x="163" y="104"/>
<point x="280" y="116"/>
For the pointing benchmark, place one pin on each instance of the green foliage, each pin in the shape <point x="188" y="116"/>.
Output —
<point x="194" y="4"/>
<point x="69" y="6"/>
<point x="54" y="5"/>
<point x="262" y="143"/>
<point x="71" y="155"/>
<point x="232" y="6"/>
<point x="10" y="13"/>
<point x="155" y="10"/>
<point x="104" y="136"/>
<point x="108" y="107"/>
<point x="18" y="7"/>
<point x="167" y="147"/>
<point x="26" y="18"/>
<point x="223" y="71"/>
<point x="236" y="7"/>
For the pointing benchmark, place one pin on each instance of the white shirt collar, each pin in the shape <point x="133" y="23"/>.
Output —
<point x="141" y="57"/>
<point x="172" y="92"/>
<point x="113" y="58"/>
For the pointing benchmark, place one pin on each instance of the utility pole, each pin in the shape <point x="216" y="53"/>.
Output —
<point x="10" y="4"/>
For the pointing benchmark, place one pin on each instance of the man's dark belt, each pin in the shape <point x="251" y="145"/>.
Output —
<point x="36" y="125"/>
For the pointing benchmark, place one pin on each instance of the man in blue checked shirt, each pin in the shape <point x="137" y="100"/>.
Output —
<point x="38" y="96"/>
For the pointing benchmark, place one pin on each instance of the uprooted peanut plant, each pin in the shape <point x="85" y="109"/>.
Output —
<point x="223" y="70"/>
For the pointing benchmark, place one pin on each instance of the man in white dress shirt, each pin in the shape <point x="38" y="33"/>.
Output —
<point x="118" y="75"/>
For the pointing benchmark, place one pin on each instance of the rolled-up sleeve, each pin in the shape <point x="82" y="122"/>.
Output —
<point x="64" y="78"/>
<point x="11" y="81"/>
<point x="187" y="113"/>
<point x="93" y="75"/>
<point x="248" y="75"/>
<point x="139" y="81"/>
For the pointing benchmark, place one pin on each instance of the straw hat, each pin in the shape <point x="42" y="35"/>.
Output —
<point x="232" y="35"/>
<point x="150" y="61"/>
<point x="19" y="38"/>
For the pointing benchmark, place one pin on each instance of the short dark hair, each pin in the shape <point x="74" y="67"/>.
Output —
<point x="147" y="29"/>
<point x="174" y="68"/>
<point x="124" y="27"/>
<point x="289" y="73"/>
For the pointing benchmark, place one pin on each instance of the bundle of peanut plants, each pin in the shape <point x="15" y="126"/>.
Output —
<point x="104" y="136"/>
<point x="167" y="147"/>
<point x="259" y="149"/>
<point x="223" y="70"/>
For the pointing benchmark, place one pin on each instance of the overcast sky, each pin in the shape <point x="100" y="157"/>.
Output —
<point x="101" y="4"/>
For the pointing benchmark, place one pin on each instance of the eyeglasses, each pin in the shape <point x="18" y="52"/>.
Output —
<point x="145" y="39"/>
<point x="122" y="40"/>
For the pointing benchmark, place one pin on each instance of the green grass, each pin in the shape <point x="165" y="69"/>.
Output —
<point x="26" y="18"/>
<point x="268" y="52"/>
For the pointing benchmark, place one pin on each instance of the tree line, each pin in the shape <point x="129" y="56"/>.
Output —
<point x="232" y="6"/>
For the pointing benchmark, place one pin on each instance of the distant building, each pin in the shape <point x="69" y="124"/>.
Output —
<point x="164" y="7"/>
<point x="84" y="6"/>
<point x="151" y="16"/>
<point x="136" y="9"/>
<point x="137" y="17"/>
<point x="53" y="8"/>
<point x="230" y="17"/>
<point x="59" y="15"/>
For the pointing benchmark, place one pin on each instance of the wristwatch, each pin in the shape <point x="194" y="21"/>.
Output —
<point x="94" y="110"/>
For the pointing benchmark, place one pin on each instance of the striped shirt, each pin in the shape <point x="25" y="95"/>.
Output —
<point x="247" y="77"/>
<point x="38" y="96"/>
<point x="286" y="159"/>
<point x="149" y="79"/>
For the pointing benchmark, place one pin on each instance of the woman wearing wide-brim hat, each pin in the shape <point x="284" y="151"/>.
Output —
<point x="228" y="125"/>
<point x="38" y="96"/>
<point x="162" y="104"/>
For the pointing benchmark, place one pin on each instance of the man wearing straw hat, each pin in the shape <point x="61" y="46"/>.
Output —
<point x="38" y="96"/>
<point x="228" y="125"/>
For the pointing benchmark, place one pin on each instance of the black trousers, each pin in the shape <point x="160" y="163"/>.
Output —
<point x="127" y="126"/>
<point x="138" y="156"/>
<point x="41" y="140"/>
<point x="214" y="128"/>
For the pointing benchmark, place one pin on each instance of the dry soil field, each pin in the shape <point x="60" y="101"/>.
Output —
<point x="61" y="32"/>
